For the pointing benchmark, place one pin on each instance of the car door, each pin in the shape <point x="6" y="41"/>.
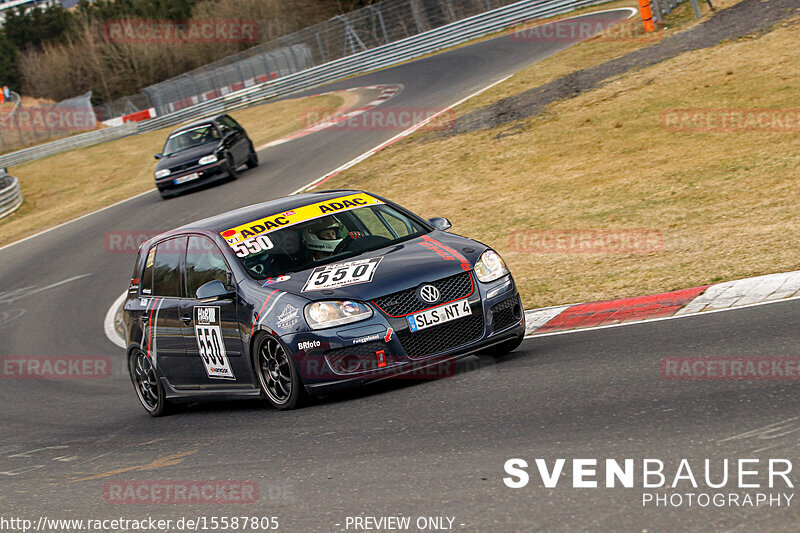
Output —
<point x="234" y="142"/>
<point x="211" y="329"/>
<point x="241" y="145"/>
<point x="161" y="287"/>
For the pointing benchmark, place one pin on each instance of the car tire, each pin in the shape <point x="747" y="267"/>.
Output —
<point x="165" y="195"/>
<point x="504" y="348"/>
<point x="231" y="167"/>
<point x="278" y="377"/>
<point x="147" y="384"/>
<point x="252" y="159"/>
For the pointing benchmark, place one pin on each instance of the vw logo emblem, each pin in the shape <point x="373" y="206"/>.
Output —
<point x="429" y="293"/>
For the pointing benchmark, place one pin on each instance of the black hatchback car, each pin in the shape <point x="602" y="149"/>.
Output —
<point x="202" y="152"/>
<point x="303" y="294"/>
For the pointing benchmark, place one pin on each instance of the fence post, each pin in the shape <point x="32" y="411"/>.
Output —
<point x="415" y="12"/>
<point x="696" y="8"/>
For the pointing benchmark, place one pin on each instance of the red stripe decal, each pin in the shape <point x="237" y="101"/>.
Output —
<point x="150" y="327"/>
<point x="258" y="315"/>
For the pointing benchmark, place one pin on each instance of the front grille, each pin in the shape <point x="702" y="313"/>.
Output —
<point x="341" y="359"/>
<point x="181" y="168"/>
<point x="406" y="302"/>
<point x="442" y="338"/>
<point x="503" y="314"/>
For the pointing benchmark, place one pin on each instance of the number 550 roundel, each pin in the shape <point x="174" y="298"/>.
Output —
<point x="297" y="296"/>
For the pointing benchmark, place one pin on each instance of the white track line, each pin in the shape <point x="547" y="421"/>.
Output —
<point x="77" y="219"/>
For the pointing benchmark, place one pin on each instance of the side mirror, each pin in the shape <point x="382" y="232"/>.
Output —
<point x="158" y="156"/>
<point x="440" y="223"/>
<point x="212" y="290"/>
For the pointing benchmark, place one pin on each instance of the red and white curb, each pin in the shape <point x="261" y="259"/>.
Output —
<point x="387" y="92"/>
<point x="716" y="297"/>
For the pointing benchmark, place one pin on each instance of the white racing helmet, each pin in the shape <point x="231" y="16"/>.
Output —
<point x="313" y="235"/>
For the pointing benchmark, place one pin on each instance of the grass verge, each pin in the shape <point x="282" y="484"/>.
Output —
<point x="725" y="204"/>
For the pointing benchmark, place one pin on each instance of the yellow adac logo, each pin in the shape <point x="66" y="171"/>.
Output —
<point x="300" y="214"/>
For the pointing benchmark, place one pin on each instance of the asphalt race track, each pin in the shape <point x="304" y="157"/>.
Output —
<point x="425" y="448"/>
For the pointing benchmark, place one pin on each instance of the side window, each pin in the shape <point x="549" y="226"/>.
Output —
<point x="228" y="121"/>
<point x="146" y="283"/>
<point x="224" y="128"/>
<point x="204" y="263"/>
<point x="399" y="225"/>
<point x="373" y="223"/>
<point x="166" y="275"/>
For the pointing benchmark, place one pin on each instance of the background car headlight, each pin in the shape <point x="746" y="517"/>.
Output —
<point x="163" y="173"/>
<point x="207" y="160"/>
<point x="490" y="266"/>
<point x="334" y="313"/>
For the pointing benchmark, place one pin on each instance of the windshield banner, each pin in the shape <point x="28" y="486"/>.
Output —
<point x="237" y="235"/>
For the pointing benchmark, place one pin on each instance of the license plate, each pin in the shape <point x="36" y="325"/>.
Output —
<point x="439" y="315"/>
<point x="184" y="179"/>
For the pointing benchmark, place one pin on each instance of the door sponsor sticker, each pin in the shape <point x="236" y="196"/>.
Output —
<point x="288" y="317"/>
<point x="342" y="274"/>
<point x="208" y="332"/>
<point x="439" y="315"/>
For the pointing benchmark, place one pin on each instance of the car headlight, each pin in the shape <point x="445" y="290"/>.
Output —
<point x="163" y="173"/>
<point x="490" y="266"/>
<point x="327" y="314"/>
<point x="207" y="160"/>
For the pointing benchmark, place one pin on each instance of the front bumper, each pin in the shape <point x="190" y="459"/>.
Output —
<point x="205" y="174"/>
<point x="367" y="351"/>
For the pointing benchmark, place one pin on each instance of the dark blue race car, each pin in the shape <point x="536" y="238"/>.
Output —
<point x="303" y="294"/>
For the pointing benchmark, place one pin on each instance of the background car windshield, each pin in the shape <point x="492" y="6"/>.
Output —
<point x="331" y="238"/>
<point x="186" y="139"/>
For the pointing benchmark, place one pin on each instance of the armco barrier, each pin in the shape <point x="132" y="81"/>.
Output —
<point x="68" y="143"/>
<point x="369" y="60"/>
<point x="10" y="195"/>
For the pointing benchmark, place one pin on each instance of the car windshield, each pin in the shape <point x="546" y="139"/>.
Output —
<point x="185" y="139"/>
<point x="328" y="239"/>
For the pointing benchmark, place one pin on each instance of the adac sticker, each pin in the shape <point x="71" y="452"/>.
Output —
<point x="270" y="281"/>
<point x="235" y="236"/>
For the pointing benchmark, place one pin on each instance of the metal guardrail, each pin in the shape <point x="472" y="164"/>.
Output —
<point x="373" y="59"/>
<point x="68" y="143"/>
<point x="10" y="194"/>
